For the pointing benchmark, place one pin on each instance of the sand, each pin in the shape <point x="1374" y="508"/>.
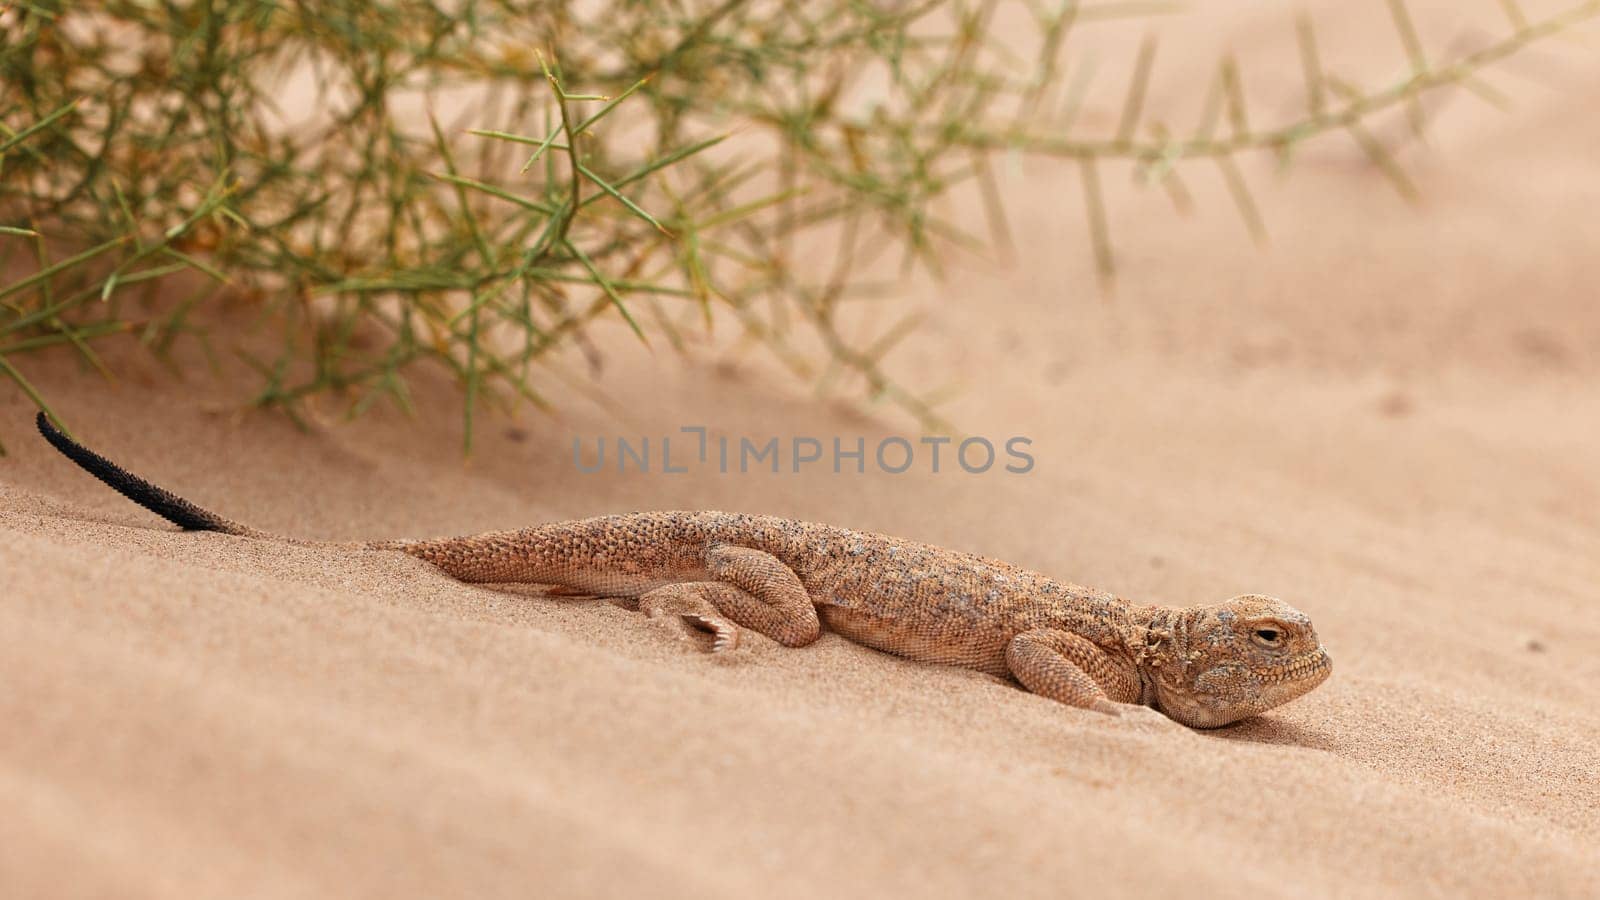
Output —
<point x="1388" y="416"/>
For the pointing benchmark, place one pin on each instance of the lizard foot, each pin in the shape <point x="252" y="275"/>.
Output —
<point x="684" y="611"/>
<point x="725" y="633"/>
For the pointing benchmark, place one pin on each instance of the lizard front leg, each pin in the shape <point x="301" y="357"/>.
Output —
<point x="1071" y="669"/>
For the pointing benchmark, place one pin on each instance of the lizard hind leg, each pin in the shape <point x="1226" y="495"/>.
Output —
<point x="752" y="589"/>
<point x="770" y="598"/>
<point x="1071" y="669"/>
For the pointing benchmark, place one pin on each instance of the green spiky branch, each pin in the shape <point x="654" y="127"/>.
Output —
<point x="482" y="187"/>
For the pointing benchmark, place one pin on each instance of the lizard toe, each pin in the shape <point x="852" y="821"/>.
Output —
<point x="725" y="634"/>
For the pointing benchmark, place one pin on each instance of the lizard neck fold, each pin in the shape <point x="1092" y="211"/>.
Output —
<point x="1157" y="639"/>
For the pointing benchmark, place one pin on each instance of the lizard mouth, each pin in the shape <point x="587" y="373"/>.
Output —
<point x="1308" y="666"/>
<point x="1275" y="686"/>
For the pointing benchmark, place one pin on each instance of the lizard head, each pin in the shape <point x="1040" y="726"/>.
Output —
<point x="1212" y="665"/>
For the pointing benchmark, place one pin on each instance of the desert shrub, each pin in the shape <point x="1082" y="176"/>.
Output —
<point x="479" y="183"/>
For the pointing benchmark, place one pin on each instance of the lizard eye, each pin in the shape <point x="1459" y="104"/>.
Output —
<point x="1267" y="635"/>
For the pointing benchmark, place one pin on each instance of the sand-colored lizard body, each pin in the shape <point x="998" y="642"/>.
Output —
<point x="786" y="579"/>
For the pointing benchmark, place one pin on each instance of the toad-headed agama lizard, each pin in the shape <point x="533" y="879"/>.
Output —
<point x="1203" y="666"/>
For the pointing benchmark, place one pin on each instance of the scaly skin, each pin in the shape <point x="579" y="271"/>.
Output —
<point x="1201" y="666"/>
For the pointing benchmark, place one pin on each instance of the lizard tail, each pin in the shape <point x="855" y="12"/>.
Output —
<point x="158" y="500"/>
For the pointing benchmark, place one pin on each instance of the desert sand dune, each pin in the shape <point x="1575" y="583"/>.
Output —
<point x="1388" y="417"/>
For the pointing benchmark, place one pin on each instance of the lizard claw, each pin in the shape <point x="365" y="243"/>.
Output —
<point x="685" y="610"/>
<point x="726" y="633"/>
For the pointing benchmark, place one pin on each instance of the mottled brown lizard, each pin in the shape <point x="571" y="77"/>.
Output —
<point x="1202" y="666"/>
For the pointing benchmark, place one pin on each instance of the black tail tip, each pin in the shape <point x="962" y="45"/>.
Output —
<point x="52" y="432"/>
<point x="158" y="500"/>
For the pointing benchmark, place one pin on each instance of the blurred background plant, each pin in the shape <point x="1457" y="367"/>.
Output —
<point x="481" y="183"/>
